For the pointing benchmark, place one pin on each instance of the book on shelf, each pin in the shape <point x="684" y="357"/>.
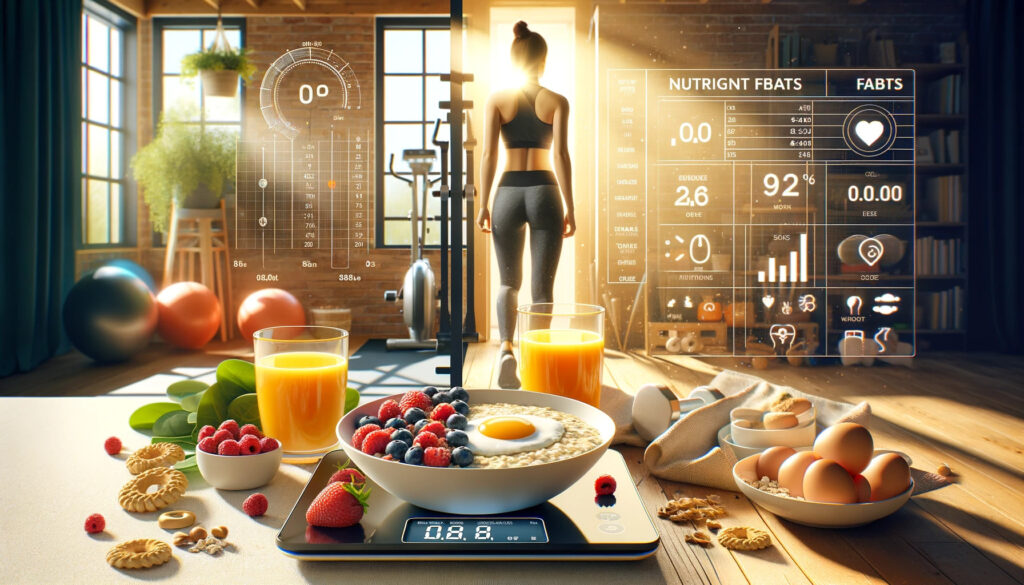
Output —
<point x="944" y="199"/>
<point x="924" y="150"/>
<point x="944" y="96"/>
<point x="943" y="310"/>
<point x="939" y="256"/>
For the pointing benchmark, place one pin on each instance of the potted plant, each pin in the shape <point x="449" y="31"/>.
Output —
<point x="219" y="67"/>
<point x="183" y="164"/>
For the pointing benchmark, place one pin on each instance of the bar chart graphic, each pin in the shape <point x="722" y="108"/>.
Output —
<point x="792" y="269"/>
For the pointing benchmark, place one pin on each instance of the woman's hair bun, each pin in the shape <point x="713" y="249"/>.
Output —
<point x="521" y="30"/>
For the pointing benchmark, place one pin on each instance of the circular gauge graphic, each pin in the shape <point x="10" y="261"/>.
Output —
<point x="307" y="88"/>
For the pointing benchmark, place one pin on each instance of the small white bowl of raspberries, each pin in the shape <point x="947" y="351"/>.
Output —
<point x="237" y="458"/>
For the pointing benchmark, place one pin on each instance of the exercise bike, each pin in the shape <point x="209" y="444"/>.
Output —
<point x="419" y="292"/>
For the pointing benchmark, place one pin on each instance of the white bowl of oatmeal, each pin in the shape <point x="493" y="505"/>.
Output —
<point x="499" y="483"/>
<point x="808" y="513"/>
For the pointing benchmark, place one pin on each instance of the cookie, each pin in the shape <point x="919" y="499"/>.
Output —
<point x="744" y="538"/>
<point x="155" y="455"/>
<point x="141" y="553"/>
<point x="171" y="485"/>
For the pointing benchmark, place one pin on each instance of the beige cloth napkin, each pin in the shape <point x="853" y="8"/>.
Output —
<point x="688" y="451"/>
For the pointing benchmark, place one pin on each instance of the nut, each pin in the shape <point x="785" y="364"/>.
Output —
<point x="181" y="539"/>
<point x="713" y="525"/>
<point x="698" y="538"/>
<point x="198" y="533"/>
<point x="219" y="531"/>
<point x="945" y="471"/>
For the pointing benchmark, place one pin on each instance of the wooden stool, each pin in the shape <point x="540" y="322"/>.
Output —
<point x="197" y="250"/>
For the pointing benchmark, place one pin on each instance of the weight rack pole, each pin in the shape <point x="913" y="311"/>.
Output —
<point x="455" y="125"/>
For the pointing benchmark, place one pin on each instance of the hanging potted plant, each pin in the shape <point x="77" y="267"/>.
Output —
<point x="219" y="66"/>
<point x="183" y="164"/>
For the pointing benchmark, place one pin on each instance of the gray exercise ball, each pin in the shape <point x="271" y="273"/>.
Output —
<point x="110" y="314"/>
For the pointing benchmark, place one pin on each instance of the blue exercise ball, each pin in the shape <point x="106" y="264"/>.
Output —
<point x="137" y="270"/>
<point x="110" y="314"/>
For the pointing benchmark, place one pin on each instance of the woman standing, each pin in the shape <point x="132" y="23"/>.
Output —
<point x="533" y="122"/>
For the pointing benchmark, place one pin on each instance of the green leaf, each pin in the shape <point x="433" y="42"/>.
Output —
<point x="145" y="416"/>
<point x="172" y="424"/>
<point x="184" y="441"/>
<point x="351" y="399"/>
<point x="192" y="418"/>
<point x="245" y="409"/>
<point x="213" y="406"/>
<point x="191" y="402"/>
<point x="187" y="465"/>
<point x="236" y="376"/>
<point x="178" y="391"/>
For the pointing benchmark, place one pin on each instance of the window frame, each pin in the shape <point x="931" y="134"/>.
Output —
<point x="126" y="24"/>
<point x="384" y="23"/>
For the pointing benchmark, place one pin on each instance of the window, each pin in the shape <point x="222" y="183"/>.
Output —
<point x="175" y="38"/>
<point x="412" y="54"/>
<point x="105" y="206"/>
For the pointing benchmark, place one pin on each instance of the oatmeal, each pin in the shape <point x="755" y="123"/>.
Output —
<point x="578" y="437"/>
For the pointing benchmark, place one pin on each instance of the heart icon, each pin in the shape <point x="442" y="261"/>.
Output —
<point x="869" y="132"/>
<point x="871" y="251"/>
<point x="768" y="301"/>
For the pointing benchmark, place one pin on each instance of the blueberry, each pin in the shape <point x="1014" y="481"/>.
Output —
<point x="462" y="457"/>
<point x="402" y="435"/>
<point x="414" y="455"/>
<point x="394" y="423"/>
<point x="430" y="391"/>
<point x="368" y="420"/>
<point x="460" y="407"/>
<point x="414" y="414"/>
<point x="442" y="397"/>
<point x="456" y="421"/>
<point x="459" y="393"/>
<point x="397" y="449"/>
<point x="457" y="438"/>
<point x="419" y="426"/>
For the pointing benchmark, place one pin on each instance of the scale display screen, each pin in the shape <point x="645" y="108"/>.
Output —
<point x="468" y="530"/>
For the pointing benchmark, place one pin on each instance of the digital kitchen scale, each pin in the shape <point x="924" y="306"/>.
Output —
<point x="574" y="525"/>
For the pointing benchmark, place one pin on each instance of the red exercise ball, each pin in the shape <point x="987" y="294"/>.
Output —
<point x="270" y="307"/>
<point x="190" y="314"/>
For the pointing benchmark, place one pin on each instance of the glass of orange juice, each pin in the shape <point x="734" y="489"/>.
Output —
<point x="561" y="347"/>
<point x="301" y="377"/>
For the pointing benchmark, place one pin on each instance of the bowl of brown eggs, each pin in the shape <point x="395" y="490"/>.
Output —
<point x="841" y="482"/>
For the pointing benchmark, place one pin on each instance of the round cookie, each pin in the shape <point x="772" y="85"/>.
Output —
<point x="171" y="485"/>
<point x="140" y="553"/>
<point x="155" y="455"/>
<point x="174" y="519"/>
<point x="744" y="538"/>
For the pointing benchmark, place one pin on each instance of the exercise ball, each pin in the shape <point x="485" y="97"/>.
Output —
<point x="135" y="269"/>
<point x="109" y="314"/>
<point x="270" y="307"/>
<point x="190" y="314"/>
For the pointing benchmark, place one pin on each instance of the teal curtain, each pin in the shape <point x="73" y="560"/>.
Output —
<point x="40" y="174"/>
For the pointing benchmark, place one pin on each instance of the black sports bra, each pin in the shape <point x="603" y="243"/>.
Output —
<point x="526" y="130"/>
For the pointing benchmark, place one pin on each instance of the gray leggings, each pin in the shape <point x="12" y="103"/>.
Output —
<point x="526" y="197"/>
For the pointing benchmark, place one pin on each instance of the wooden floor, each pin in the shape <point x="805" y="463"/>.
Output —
<point x="965" y="410"/>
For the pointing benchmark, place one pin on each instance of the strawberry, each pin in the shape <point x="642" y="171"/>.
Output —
<point x="206" y="431"/>
<point x="417" y="399"/>
<point x="437" y="456"/>
<point x="338" y="505"/>
<point x="442" y="412"/>
<point x="425" y="440"/>
<point x="250" y="429"/>
<point x="605" y="485"/>
<point x="388" y="410"/>
<point x="360" y="434"/>
<point x="231" y="426"/>
<point x="375" y="442"/>
<point x="112" y="446"/>
<point x="347" y="475"/>
<point x="435" y="427"/>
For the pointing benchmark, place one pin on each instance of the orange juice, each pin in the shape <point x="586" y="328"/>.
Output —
<point x="301" y="396"/>
<point x="566" y="362"/>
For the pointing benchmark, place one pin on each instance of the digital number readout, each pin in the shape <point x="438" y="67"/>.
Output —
<point x="475" y="530"/>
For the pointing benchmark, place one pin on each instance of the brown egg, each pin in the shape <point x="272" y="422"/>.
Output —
<point x="770" y="460"/>
<point x="849" y="444"/>
<point x="780" y="420"/>
<point x="792" y="470"/>
<point x="863" y="488"/>
<point x="827" y="481"/>
<point x="889" y="475"/>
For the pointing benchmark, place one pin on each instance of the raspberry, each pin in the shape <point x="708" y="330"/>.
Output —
<point x="231" y="426"/>
<point x="437" y="457"/>
<point x="229" y="447"/>
<point x="375" y="442"/>
<point x="388" y="410"/>
<point x="95" y="523"/>
<point x="250" y="430"/>
<point x="255" y="505"/>
<point x="222" y="435"/>
<point x="425" y="439"/>
<point x="435" y="427"/>
<point x="208" y="445"/>
<point x="206" y="431"/>
<point x="112" y="446"/>
<point x="360" y="434"/>
<point x="605" y="485"/>
<point x="442" y="412"/>
<point x="249" y="445"/>
<point x="347" y="475"/>
<point x="268" y="444"/>
<point x="415" y="399"/>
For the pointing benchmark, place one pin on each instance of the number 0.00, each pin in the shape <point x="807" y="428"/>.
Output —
<point x="702" y="134"/>
<point x="867" y="193"/>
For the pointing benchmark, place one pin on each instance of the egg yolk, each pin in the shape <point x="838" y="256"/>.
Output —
<point x="506" y="427"/>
